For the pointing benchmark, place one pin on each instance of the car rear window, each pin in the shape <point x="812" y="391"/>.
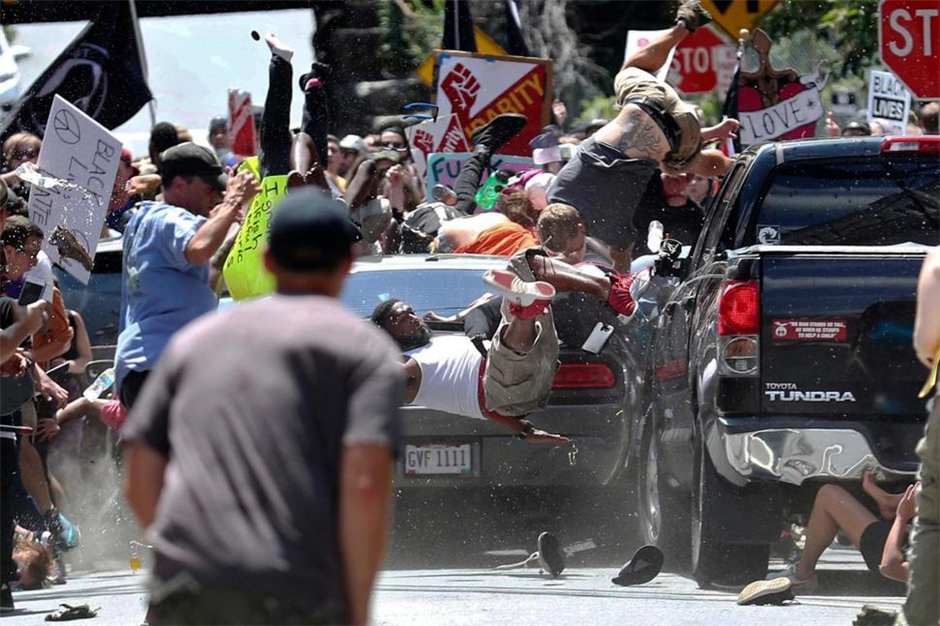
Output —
<point x="871" y="202"/>
<point x="443" y="291"/>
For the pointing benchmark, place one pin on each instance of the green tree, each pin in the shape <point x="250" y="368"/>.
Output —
<point x="849" y="27"/>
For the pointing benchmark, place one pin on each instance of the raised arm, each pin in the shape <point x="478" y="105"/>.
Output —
<point x="893" y="564"/>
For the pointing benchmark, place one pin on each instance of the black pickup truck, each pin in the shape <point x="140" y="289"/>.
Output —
<point x="782" y="359"/>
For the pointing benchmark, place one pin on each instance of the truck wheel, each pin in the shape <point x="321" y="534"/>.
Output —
<point x="715" y="561"/>
<point x="663" y="512"/>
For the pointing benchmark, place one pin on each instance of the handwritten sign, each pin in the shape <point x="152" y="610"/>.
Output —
<point x="244" y="271"/>
<point x="78" y="149"/>
<point x="888" y="101"/>
<point x="443" y="167"/>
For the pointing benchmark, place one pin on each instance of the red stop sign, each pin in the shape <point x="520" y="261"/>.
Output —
<point x="909" y="39"/>
<point x="703" y="62"/>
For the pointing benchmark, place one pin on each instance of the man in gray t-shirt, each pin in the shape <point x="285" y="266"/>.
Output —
<point x="261" y="448"/>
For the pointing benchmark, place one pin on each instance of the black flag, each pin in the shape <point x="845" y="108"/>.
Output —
<point x="515" y="42"/>
<point x="99" y="72"/>
<point x="458" y="26"/>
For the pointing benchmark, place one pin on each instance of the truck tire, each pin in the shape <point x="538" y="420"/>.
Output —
<point x="715" y="561"/>
<point x="663" y="512"/>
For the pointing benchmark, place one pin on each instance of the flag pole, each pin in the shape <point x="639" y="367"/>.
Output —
<point x="143" y="58"/>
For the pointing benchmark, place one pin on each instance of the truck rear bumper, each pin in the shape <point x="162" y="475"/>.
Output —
<point x="793" y="455"/>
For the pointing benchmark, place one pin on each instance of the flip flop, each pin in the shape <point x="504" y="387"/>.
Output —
<point x="642" y="568"/>
<point x="69" y="613"/>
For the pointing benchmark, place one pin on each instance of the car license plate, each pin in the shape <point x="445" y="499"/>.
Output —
<point x="439" y="459"/>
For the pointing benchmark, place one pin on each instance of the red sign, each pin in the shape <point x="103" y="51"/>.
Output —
<point x="810" y="330"/>
<point x="704" y="62"/>
<point x="909" y="39"/>
<point x="241" y="123"/>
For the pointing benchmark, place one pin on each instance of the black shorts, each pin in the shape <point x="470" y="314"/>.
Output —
<point x="872" y="543"/>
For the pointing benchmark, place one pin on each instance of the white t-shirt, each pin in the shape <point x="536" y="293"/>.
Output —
<point x="450" y="375"/>
<point x="43" y="273"/>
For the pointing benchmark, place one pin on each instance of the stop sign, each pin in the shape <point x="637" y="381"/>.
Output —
<point x="909" y="39"/>
<point x="703" y="62"/>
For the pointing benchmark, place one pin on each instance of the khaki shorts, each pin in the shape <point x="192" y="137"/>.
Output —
<point x="517" y="384"/>
<point x="633" y="83"/>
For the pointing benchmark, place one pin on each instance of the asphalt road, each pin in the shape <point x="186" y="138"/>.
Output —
<point x="481" y="595"/>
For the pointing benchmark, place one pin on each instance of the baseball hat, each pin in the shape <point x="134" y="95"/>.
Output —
<point x="189" y="159"/>
<point x="353" y="142"/>
<point x="310" y="231"/>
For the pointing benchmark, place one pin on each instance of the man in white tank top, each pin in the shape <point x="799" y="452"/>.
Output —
<point x="514" y="378"/>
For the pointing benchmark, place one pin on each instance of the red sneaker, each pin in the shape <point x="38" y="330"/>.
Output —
<point x="526" y="299"/>
<point x="620" y="300"/>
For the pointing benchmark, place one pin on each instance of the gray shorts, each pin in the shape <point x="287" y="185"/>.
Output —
<point x="517" y="384"/>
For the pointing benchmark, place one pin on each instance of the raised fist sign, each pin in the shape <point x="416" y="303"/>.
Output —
<point x="461" y="88"/>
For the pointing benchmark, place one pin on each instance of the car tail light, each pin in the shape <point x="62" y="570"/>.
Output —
<point x="739" y="328"/>
<point x="584" y="376"/>
<point x="928" y="145"/>
<point x="739" y="308"/>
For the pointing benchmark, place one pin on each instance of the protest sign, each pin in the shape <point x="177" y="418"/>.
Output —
<point x="471" y="89"/>
<point x="241" y="123"/>
<point x="888" y="101"/>
<point x="244" y="271"/>
<point x="637" y="39"/>
<point x="79" y="150"/>
<point x="443" y="167"/>
<point x="777" y="104"/>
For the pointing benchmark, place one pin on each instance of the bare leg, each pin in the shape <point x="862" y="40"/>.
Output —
<point x="834" y="508"/>
<point x="520" y="334"/>
<point x="565" y="277"/>
<point x="363" y="186"/>
<point x="34" y="479"/>
<point x="653" y="56"/>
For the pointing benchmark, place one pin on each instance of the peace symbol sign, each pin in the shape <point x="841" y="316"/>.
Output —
<point x="66" y="127"/>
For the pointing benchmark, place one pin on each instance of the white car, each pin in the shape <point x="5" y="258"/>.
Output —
<point x="9" y="72"/>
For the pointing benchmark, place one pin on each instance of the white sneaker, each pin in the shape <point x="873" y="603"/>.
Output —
<point x="278" y="47"/>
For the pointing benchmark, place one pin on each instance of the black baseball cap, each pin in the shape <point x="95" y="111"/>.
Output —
<point x="189" y="159"/>
<point x="311" y="231"/>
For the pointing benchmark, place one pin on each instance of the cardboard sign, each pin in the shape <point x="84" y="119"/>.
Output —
<point x="244" y="271"/>
<point x="472" y="89"/>
<point x="810" y="330"/>
<point x="888" y="101"/>
<point x="79" y="150"/>
<point x="443" y="168"/>
<point x="241" y="123"/>
<point x="637" y="39"/>
<point x="777" y="104"/>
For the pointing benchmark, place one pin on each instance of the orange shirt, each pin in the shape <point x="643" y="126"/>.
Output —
<point x="501" y="240"/>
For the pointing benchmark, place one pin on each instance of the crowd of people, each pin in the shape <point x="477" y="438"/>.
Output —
<point x="186" y="403"/>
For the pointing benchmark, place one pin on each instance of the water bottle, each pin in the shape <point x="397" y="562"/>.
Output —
<point x="102" y="383"/>
<point x="654" y="239"/>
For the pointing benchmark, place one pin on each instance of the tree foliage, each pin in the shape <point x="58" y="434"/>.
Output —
<point x="850" y="27"/>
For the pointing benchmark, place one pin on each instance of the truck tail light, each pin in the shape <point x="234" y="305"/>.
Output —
<point x="739" y="328"/>
<point x="928" y="145"/>
<point x="739" y="308"/>
<point x="584" y="376"/>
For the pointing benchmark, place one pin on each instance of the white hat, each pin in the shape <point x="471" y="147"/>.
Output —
<point x="354" y="142"/>
<point x="536" y="188"/>
<point x="541" y="156"/>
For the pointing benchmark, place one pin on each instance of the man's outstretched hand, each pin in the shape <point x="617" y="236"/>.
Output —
<point x="534" y="435"/>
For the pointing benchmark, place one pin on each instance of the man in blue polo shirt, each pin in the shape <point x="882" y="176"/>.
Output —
<point x="167" y="249"/>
